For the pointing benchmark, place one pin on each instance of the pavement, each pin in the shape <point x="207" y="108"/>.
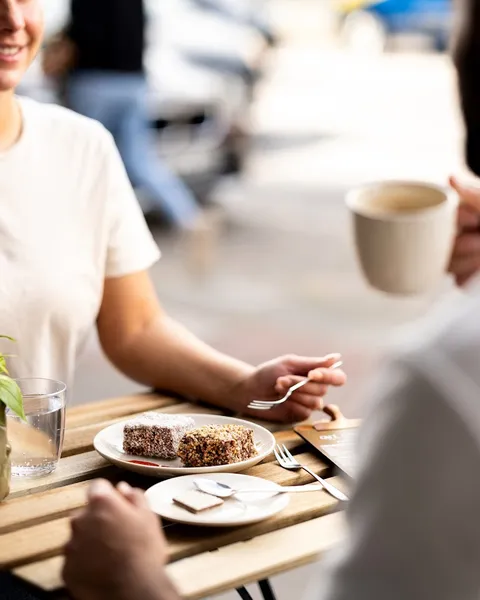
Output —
<point x="283" y="276"/>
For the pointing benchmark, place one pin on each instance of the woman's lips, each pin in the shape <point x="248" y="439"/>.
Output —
<point x="11" y="54"/>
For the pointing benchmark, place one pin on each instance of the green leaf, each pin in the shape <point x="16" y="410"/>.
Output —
<point x="3" y="363"/>
<point x="10" y="393"/>
<point x="11" y="396"/>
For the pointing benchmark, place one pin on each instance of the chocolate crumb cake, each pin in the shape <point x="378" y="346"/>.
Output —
<point x="213" y="445"/>
<point x="155" y="434"/>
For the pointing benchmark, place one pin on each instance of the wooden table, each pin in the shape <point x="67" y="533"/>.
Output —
<point x="34" y="520"/>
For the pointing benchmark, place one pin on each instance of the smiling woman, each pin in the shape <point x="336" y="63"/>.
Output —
<point x="75" y="253"/>
<point x="20" y="39"/>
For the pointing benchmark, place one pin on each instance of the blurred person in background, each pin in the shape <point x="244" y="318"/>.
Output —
<point x="413" y="526"/>
<point x="101" y="58"/>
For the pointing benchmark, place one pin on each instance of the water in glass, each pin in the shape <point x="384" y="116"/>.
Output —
<point x="37" y="443"/>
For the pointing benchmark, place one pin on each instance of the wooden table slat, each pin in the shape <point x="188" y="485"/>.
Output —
<point x="106" y="404"/>
<point x="48" y="539"/>
<point x="70" y="470"/>
<point x="185" y="541"/>
<point x="215" y="572"/>
<point x="96" y="412"/>
<point x="289" y="438"/>
<point x="34" y="543"/>
<point x="272" y="471"/>
<point x="262" y="557"/>
<point x="25" y="511"/>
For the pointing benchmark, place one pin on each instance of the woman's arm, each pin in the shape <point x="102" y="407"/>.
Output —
<point x="150" y="347"/>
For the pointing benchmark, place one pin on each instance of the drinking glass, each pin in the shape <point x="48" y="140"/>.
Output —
<point x="37" y="443"/>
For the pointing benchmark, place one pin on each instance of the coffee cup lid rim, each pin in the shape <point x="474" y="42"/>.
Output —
<point x="451" y="198"/>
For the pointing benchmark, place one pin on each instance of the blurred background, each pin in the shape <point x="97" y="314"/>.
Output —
<point x="270" y="110"/>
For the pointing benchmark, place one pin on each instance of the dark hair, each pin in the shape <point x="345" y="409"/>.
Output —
<point x="466" y="54"/>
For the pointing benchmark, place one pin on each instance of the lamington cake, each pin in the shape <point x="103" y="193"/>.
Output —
<point x="213" y="445"/>
<point x="155" y="434"/>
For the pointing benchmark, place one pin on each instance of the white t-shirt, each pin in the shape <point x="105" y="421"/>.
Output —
<point x="414" y="517"/>
<point x="68" y="220"/>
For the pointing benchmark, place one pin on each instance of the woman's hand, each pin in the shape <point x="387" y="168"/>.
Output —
<point x="148" y="346"/>
<point x="465" y="261"/>
<point x="271" y="381"/>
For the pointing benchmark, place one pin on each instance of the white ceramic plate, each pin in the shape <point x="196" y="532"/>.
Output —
<point x="242" y="509"/>
<point x="109" y="444"/>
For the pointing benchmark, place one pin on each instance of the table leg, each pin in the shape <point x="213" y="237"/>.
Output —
<point x="244" y="593"/>
<point x="266" y="589"/>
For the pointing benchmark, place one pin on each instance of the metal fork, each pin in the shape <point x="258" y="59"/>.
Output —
<point x="268" y="404"/>
<point x="288" y="461"/>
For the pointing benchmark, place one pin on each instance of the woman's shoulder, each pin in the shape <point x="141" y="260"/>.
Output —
<point x="59" y="123"/>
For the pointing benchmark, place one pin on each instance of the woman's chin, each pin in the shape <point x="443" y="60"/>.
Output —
<point x="9" y="80"/>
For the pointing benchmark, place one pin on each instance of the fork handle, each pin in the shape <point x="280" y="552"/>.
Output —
<point x="298" y="385"/>
<point x="291" y="489"/>
<point x="266" y="405"/>
<point x="328" y="487"/>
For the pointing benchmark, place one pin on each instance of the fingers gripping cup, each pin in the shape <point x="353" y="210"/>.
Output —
<point x="404" y="234"/>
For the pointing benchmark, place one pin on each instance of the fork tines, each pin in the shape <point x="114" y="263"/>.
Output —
<point x="276" y="451"/>
<point x="285" y="457"/>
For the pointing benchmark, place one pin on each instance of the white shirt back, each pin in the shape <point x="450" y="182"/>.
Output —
<point x="413" y="519"/>
<point x="68" y="219"/>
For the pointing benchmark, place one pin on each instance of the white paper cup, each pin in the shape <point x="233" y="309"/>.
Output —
<point x="404" y="233"/>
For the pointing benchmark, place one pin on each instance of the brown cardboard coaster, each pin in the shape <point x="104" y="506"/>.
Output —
<point x="335" y="439"/>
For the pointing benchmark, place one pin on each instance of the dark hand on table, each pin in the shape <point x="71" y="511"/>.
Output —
<point x="117" y="550"/>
